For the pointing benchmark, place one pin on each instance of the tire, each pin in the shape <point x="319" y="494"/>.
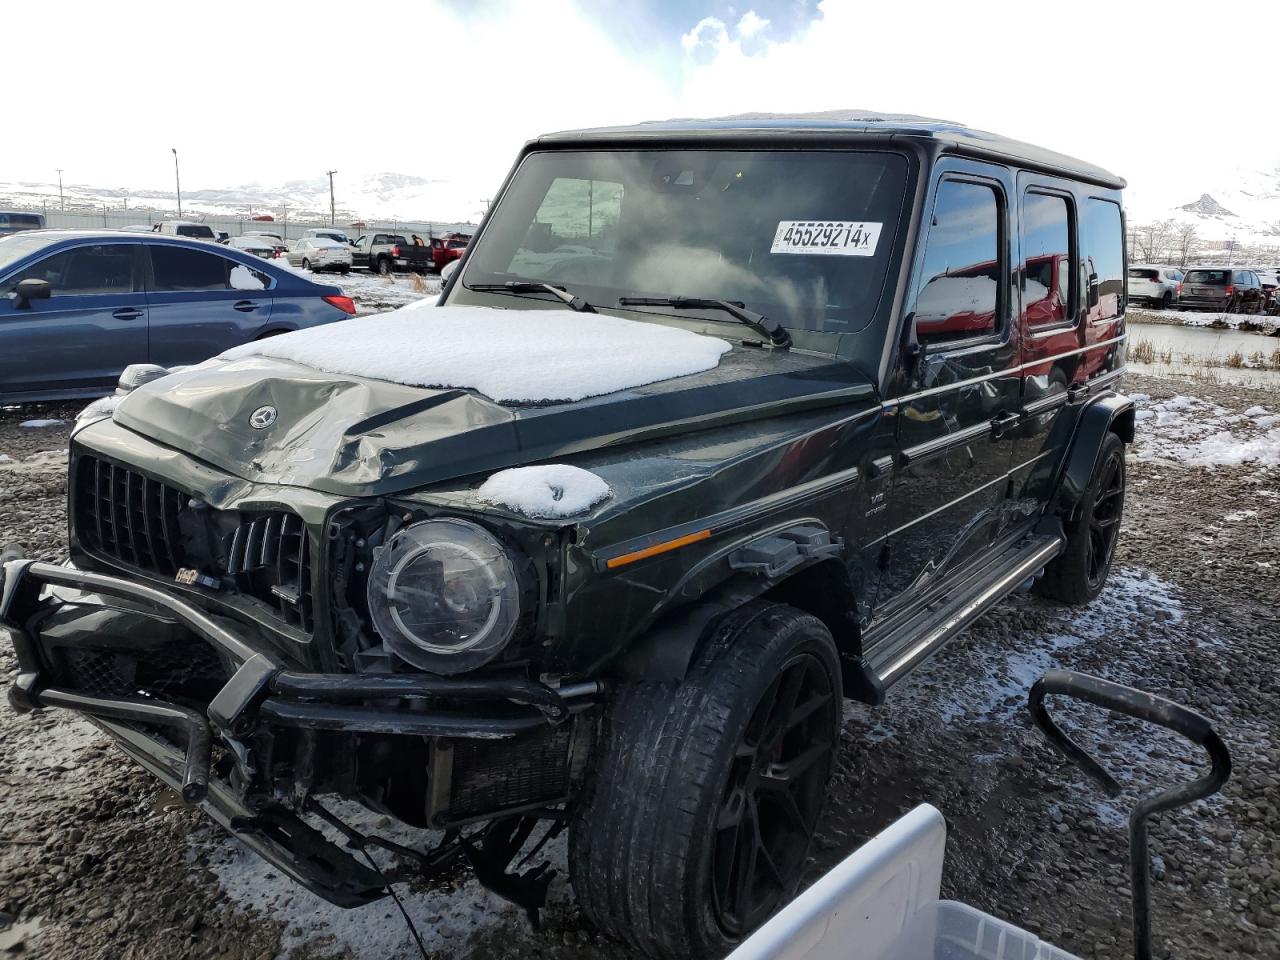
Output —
<point x="344" y="270"/>
<point x="683" y="773"/>
<point x="1078" y="574"/>
<point x="384" y="267"/>
<point x="306" y="264"/>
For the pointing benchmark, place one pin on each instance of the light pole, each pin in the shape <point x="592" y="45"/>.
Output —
<point x="61" y="200"/>
<point x="331" y="217"/>
<point x="177" y="181"/>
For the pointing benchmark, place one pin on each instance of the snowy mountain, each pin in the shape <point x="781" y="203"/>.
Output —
<point x="1242" y="204"/>
<point x="378" y="196"/>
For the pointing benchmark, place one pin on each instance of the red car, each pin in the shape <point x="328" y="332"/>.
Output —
<point x="448" y="248"/>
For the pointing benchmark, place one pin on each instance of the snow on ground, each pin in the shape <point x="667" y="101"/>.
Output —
<point x="1201" y="433"/>
<point x="373" y="293"/>
<point x="1197" y="318"/>
<point x="446" y="914"/>
<point x="513" y="356"/>
<point x="1002" y="675"/>
<point x="40" y="424"/>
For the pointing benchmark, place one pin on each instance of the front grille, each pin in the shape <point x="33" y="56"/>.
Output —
<point x="179" y="672"/>
<point x="493" y="775"/>
<point x="124" y="515"/>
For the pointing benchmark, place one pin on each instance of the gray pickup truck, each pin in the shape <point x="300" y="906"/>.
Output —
<point x="386" y="253"/>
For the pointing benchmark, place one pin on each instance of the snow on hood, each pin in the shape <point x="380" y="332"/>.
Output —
<point x="552" y="491"/>
<point x="512" y="356"/>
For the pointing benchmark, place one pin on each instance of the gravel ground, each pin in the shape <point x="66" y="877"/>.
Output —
<point x="97" y="860"/>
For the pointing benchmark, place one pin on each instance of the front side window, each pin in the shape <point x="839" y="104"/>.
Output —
<point x="179" y="269"/>
<point x="1103" y="234"/>
<point x="97" y="270"/>
<point x="960" y="290"/>
<point x="803" y="237"/>
<point x="1047" y="277"/>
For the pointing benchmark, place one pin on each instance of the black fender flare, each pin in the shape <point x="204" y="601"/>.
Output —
<point x="664" y="652"/>
<point x="1109" y="412"/>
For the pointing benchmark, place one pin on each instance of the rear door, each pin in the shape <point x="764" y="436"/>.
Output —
<point x="91" y="328"/>
<point x="956" y="425"/>
<point x="202" y="303"/>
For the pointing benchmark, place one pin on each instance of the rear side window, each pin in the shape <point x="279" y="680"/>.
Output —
<point x="1103" y="234"/>
<point x="83" y="271"/>
<point x="179" y="269"/>
<point x="1047" y="277"/>
<point x="1140" y="274"/>
<point x="960" y="293"/>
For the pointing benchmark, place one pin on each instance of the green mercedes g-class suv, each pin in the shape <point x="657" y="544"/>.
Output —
<point x="719" y="424"/>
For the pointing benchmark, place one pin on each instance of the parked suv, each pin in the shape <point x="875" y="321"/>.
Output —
<point x="1158" y="286"/>
<point x="1230" y="290"/>
<point x="718" y="426"/>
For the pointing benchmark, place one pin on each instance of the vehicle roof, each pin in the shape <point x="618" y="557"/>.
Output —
<point x="844" y="124"/>
<point x="1153" y="266"/>
<point x="25" y="213"/>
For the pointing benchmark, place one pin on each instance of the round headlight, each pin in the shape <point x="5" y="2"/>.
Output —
<point x="444" y="595"/>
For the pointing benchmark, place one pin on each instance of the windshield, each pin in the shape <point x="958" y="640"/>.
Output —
<point x="803" y="237"/>
<point x="1138" y="273"/>
<point x="16" y="246"/>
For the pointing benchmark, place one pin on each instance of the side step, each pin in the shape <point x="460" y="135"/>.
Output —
<point x="903" y="642"/>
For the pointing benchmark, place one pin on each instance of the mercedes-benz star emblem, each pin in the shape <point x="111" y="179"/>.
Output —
<point x="263" y="417"/>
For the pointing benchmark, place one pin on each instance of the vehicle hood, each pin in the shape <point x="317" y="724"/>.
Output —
<point x="356" y="435"/>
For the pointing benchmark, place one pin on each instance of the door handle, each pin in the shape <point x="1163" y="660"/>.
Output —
<point x="127" y="313"/>
<point x="1004" y="423"/>
<point x="246" y="306"/>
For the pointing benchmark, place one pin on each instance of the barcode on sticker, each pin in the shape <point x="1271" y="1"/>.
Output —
<point x="845" y="238"/>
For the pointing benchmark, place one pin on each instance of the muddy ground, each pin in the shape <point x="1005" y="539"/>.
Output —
<point x="97" y="861"/>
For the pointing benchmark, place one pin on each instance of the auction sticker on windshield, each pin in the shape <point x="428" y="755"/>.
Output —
<point x="845" y="238"/>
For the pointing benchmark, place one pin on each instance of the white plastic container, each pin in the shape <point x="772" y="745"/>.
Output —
<point x="881" y="903"/>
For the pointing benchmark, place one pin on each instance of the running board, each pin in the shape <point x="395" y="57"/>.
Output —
<point x="903" y="642"/>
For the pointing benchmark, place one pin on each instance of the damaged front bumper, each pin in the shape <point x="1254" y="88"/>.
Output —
<point x="175" y="741"/>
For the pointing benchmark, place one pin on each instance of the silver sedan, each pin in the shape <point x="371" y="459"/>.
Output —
<point x="320" y="253"/>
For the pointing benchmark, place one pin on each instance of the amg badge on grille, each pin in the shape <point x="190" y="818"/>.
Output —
<point x="263" y="417"/>
<point x="193" y="578"/>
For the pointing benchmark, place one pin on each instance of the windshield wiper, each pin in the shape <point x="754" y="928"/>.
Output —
<point x="534" y="286"/>
<point x="774" y="331"/>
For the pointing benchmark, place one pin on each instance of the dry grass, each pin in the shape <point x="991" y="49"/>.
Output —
<point x="1143" y="351"/>
<point x="418" y="283"/>
<point x="1234" y="360"/>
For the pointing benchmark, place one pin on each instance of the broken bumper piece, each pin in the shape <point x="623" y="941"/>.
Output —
<point x="253" y="690"/>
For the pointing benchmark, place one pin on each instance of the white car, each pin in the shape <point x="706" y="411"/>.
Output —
<point x="186" y="228"/>
<point x="263" y="247"/>
<point x="320" y="253"/>
<point x="1151" y="283"/>
<point x="328" y="233"/>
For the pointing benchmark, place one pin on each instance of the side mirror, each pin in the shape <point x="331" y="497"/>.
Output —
<point x="31" y="289"/>
<point x="1093" y="290"/>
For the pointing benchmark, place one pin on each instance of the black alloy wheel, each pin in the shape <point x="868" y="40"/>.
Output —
<point x="774" y="795"/>
<point x="1104" y="520"/>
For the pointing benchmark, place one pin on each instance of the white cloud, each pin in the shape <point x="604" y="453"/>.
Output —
<point x="708" y="31"/>
<point x="751" y="24"/>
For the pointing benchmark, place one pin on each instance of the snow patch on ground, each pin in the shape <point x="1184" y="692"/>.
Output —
<point x="446" y="913"/>
<point x="552" y="491"/>
<point x="5" y="458"/>
<point x="513" y="356"/>
<point x="40" y="424"/>
<point x="1189" y="430"/>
